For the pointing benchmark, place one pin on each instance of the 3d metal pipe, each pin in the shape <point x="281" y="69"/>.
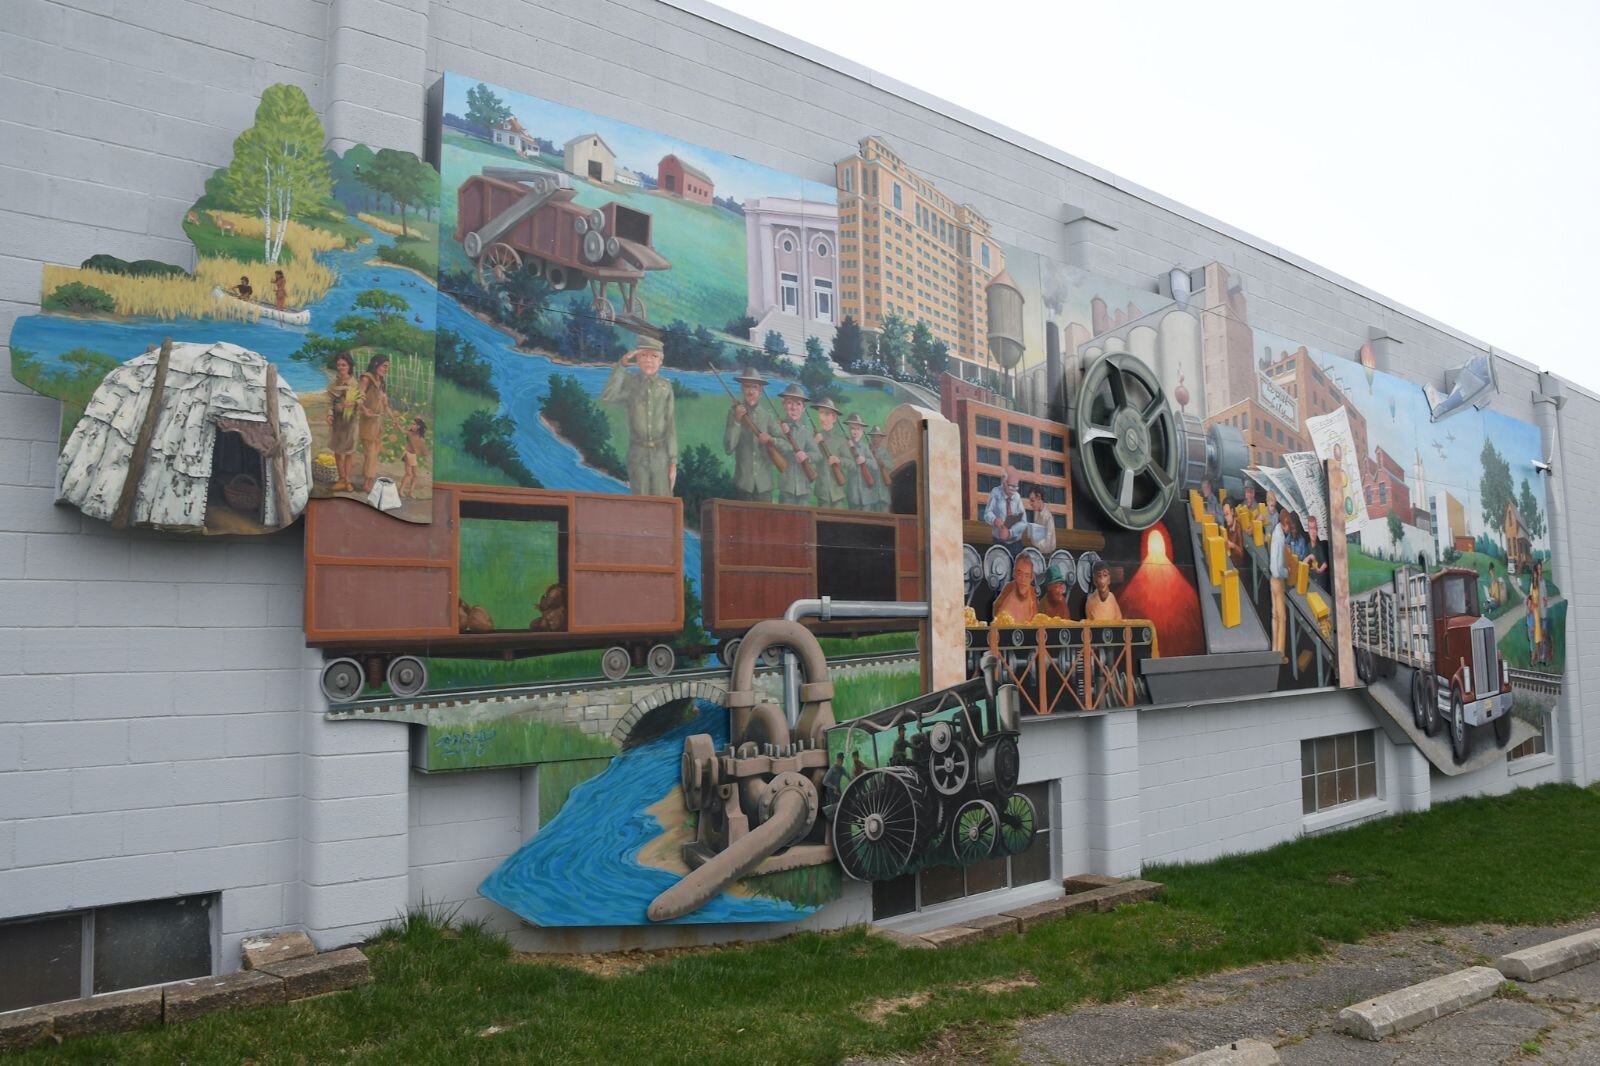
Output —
<point x="827" y="609"/>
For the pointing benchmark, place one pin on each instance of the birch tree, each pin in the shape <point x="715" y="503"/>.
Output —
<point x="278" y="171"/>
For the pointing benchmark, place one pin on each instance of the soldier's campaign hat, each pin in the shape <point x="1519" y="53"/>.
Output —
<point x="648" y="343"/>
<point x="876" y="431"/>
<point x="825" y="404"/>
<point x="1054" y="576"/>
<point x="751" y="377"/>
<point x="793" y="392"/>
<point x="855" y="420"/>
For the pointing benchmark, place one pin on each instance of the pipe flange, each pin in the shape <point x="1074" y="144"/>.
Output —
<point x="816" y="691"/>
<point x="740" y="698"/>
<point x="787" y="783"/>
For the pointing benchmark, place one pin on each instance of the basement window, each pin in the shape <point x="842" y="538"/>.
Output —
<point x="54" y="957"/>
<point x="1337" y="770"/>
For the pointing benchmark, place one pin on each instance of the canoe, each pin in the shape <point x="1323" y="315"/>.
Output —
<point x="301" y="317"/>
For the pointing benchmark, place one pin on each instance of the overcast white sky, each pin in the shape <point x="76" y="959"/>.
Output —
<point x="1445" y="154"/>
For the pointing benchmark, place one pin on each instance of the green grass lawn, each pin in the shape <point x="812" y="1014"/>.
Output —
<point x="857" y="694"/>
<point x="460" y="995"/>
<point x="1367" y="573"/>
<point x="211" y="243"/>
<point x="506" y="566"/>
<point x="706" y="245"/>
<point x="451" y="461"/>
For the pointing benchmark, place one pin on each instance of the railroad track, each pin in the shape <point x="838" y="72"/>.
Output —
<point x="1535" y="681"/>
<point x="376" y="705"/>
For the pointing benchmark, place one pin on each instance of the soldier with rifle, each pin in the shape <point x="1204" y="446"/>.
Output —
<point x="833" y="444"/>
<point x="861" y="487"/>
<point x="749" y="432"/>
<point x="794" y="483"/>
<point x="880" y="453"/>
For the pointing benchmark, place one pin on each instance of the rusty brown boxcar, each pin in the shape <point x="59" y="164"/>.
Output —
<point x="513" y="220"/>
<point x="380" y="593"/>
<point x="758" y="558"/>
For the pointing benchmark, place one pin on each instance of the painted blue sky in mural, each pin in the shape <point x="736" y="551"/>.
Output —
<point x="641" y="149"/>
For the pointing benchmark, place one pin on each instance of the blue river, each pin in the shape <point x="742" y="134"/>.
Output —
<point x="582" y="869"/>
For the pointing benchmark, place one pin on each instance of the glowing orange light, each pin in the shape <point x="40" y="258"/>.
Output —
<point x="1155" y="546"/>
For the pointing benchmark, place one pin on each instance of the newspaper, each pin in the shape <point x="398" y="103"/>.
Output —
<point x="1332" y="439"/>
<point x="1311" y="478"/>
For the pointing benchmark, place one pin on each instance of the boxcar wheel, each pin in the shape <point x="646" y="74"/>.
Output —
<point x="615" y="663"/>
<point x="343" y="680"/>
<point x="661" y="660"/>
<point x="1502" y="730"/>
<point x="728" y="651"/>
<point x="407" y="676"/>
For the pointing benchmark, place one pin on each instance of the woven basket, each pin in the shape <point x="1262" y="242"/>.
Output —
<point x="243" y="493"/>
<point x="324" y="475"/>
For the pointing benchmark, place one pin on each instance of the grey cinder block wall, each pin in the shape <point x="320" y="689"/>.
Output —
<point x="160" y="727"/>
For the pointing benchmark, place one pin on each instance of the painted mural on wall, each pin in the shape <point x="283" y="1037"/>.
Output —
<point x="302" y="358"/>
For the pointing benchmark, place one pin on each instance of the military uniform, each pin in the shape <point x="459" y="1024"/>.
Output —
<point x="829" y="492"/>
<point x="794" y="487"/>
<point x="883" y="465"/>
<point x="857" y="458"/>
<point x="752" y="467"/>
<point x="652" y="428"/>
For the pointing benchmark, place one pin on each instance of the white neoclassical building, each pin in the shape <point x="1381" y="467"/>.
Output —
<point x="791" y="273"/>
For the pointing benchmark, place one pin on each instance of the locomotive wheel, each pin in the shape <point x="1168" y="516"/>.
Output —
<point x="971" y="570"/>
<point x="407" y="676"/>
<point x="661" y="660"/>
<point x="1130" y="452"/>
<point x="1017" y="823"/>
<point x="950" y="770"/>
<point x="940" y="737"/>
<point x="877" y="825"/>
<point x="343" y="680"/>
<point x="615" y="663"/>
<point x="974" y="832"/>
<point x="499" y="262"/>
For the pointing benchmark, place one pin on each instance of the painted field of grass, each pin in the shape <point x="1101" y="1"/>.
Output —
<point x="1367" y="573"/>
<point x="857" y="694"/>
<point x="705" y="244"/>
<point x="506" y="566"/>
<point x="475" y="673"/>
<point x="558" y="779"/>
<point x="452" y="405"/>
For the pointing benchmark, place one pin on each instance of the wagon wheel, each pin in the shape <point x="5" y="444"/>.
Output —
<point x="876" y="825"/>
<point x="1130" y="451"/>
<point x="1017" y="823"/>
<point x="950" y="770"/>
<point x="615" y="663"/>
<point x="407" y="676"/>
<point x="343" y="680"/>
<point x="661" y="660"/>
<point x="635" y="307"/>
<point x="973" y="834"/>
<point x="499" y="262"/>
<point x="603" y="309"/>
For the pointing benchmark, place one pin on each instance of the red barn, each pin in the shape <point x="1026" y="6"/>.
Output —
<point x="677" y="178"/>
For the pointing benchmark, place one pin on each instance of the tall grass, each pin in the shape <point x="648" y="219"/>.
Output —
<point x="383" y="225"/>
<point x="191" y="297"/>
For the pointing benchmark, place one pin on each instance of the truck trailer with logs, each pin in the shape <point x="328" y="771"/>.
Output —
<point x="1433" y="626"/>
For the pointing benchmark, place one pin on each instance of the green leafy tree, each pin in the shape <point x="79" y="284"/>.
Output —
<point x="893" y="341"/>
<point x="921" y="348"/>
<point x="701" y="477"/>
<point x="774" y="344"/>
<point x="740" y="327"/>
<point x="1396" y="531"/>
<point x="278" y="170"/>
<point x="816" y="374"/>
<point x="1532" y="515"/>
<point x="1495" y="489"/>
<point x="403" y="178"/>
<point x="847" y="350"/>
<point x="693" y="634"/>
<point x="382" y="303"/>
<point x="814" y="348"/>
<point x="484" y="108"/>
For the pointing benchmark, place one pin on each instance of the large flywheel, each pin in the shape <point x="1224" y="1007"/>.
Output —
<point x="1130" y="447"/>
<point x="880" y="825"/>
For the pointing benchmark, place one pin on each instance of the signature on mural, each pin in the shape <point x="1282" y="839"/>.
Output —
<point x="468" y="745"/>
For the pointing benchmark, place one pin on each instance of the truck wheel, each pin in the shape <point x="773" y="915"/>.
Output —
<point x="1419" y="706"/>
<point x="1364" y="666"/>
<point x="1502" y="730"/>
<point x="1430" y="696"/>
<point x="1459" y="744"/>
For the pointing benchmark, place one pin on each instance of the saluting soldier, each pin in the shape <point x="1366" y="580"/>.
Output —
<point x="861" y="495"/>
<point x="834" y="445"/>
<point x="747" y="437"/>
<point x="885" y="464"/>
<point x="794" y="485"/>
<point x="652" y="420"/>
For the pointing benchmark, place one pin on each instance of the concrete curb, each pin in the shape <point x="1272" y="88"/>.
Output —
<point x="1552" y="957"/>
<point x="1409" y="1007"/>
<point x="1238" y="1053"/>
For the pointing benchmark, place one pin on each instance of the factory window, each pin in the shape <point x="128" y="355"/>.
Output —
<point x="1338" y="769"/>
<point x="942" y="884"/>
<point x="985" y="426"/>
<point x="1022" y="461"/>
<point x="991" y="456"/>
<point x="1052" y="468"/>
<point x="1052" y="442"/>
<point x="987" y="484"/>
<point x="107" y="949"/>
<point x="1020" y="434"/>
